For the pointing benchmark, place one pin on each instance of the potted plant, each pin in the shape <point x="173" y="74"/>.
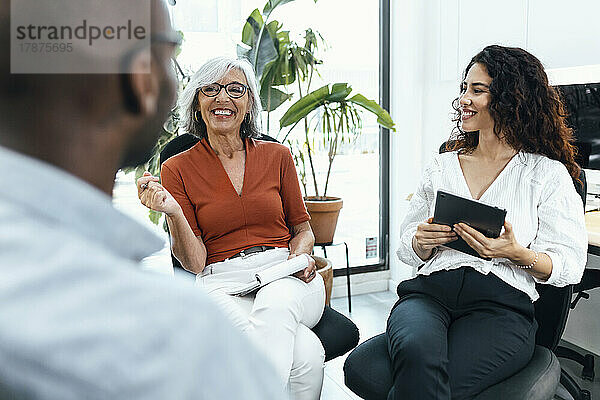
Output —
<point x="330" y="115"/>
<point x="337" y="119"/>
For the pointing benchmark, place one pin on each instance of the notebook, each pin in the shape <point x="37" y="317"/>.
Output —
<point x="271" y="274"/>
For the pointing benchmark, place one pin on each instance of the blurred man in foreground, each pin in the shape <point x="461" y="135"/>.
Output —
<point x="78" y="319"/>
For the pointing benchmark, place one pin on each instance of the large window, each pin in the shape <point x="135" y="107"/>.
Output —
<point x="351" y="55"/>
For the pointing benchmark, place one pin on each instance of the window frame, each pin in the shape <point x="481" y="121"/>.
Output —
<point x="384" y="149"/>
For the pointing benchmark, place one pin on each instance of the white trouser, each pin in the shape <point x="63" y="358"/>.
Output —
<point x="277" y="318"/>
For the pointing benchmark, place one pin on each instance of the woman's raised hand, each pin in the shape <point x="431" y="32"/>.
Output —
<point x="154" y="196"/>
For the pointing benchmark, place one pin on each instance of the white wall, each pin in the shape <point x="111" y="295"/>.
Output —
<point x="432" y="41"/>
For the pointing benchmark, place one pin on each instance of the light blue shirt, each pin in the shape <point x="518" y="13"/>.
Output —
<point x="80" y="320"/>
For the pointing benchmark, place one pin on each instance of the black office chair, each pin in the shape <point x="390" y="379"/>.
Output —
<point x="590" y="280"/>
<point x="337" y="333"/>
<point x="367" y="370"/>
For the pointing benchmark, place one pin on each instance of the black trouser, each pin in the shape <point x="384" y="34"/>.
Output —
<point x="454" y="333"/>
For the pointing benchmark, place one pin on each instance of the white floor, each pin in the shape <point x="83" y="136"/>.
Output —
<point x="369" y="313"/>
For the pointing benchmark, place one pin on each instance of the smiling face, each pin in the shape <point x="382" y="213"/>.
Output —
<point x="223" y="114"/>
<point x="475" y="99"/>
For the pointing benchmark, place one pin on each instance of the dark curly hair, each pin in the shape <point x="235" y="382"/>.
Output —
<point x="528" y="113"/>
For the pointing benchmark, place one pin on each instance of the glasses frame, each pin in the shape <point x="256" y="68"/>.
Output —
<point x="226" y="87"/>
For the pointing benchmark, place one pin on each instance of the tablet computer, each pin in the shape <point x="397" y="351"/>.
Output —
<point x="451" y="209"/>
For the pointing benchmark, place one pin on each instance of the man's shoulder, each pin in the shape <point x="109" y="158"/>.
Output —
<point x="64" y="296"/>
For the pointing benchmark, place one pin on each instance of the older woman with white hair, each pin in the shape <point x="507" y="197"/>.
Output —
<point x="233" y="205"/>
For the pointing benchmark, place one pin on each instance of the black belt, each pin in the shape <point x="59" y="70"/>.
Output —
<point x="251" y="250"/>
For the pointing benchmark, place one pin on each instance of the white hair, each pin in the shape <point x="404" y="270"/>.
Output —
<point x="212" y="71"/>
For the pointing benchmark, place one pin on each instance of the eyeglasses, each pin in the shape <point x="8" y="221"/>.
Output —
<point x="235" y="90"/>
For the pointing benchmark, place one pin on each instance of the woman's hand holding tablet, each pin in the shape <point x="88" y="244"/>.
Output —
<point x="504" y="246"/>
<point x="429" y="236"/>
<point x="475" y="216"/>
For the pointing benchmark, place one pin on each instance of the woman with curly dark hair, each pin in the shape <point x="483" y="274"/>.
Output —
<point x="465" y="322"/>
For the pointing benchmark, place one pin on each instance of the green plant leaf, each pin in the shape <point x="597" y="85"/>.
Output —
<point x="304" y="106"/>
<point x="278" y="72"/>
<point x="277" y="97"/>
<point x="259" y="54"/>
<point x="181" y="40"/>
<point x="283" y="37"/>
<point x="339" y="92"/>
<point x="243" y="52"/>
<point x="267" y="52"/>
<point x="274" y="27"/>
<point x="383" y="117"/>
<point x="154" y="216"/>
<point x="171" y="125"/>
<point x="252" y="28"/>
<point x="273" y="4"/>
<point x="300" y="59"/>
<point x="303" y="58"/>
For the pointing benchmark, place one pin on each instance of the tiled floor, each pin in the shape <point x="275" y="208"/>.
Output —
<point x="369" y="313"/>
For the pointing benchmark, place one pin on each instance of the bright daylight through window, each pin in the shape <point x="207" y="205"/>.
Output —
<point x="346" y="36"/>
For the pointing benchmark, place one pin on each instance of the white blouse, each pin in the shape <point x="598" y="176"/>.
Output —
<point x="542" y="205"/>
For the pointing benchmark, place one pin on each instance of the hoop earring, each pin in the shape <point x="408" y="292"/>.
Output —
<point x="196" y="119"/>
<point x="245" y="127"/>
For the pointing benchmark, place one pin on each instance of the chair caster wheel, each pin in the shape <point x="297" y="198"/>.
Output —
<point x="586" y="395"/>
<point x="588" y="368"/>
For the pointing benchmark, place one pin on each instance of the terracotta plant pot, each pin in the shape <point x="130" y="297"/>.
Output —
<point x="324" y="212"/>
<point x="326" y="270"/>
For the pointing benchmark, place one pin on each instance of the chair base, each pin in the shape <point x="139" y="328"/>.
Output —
<point x="573" y="388"/>
<point x="587" y="361"/>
